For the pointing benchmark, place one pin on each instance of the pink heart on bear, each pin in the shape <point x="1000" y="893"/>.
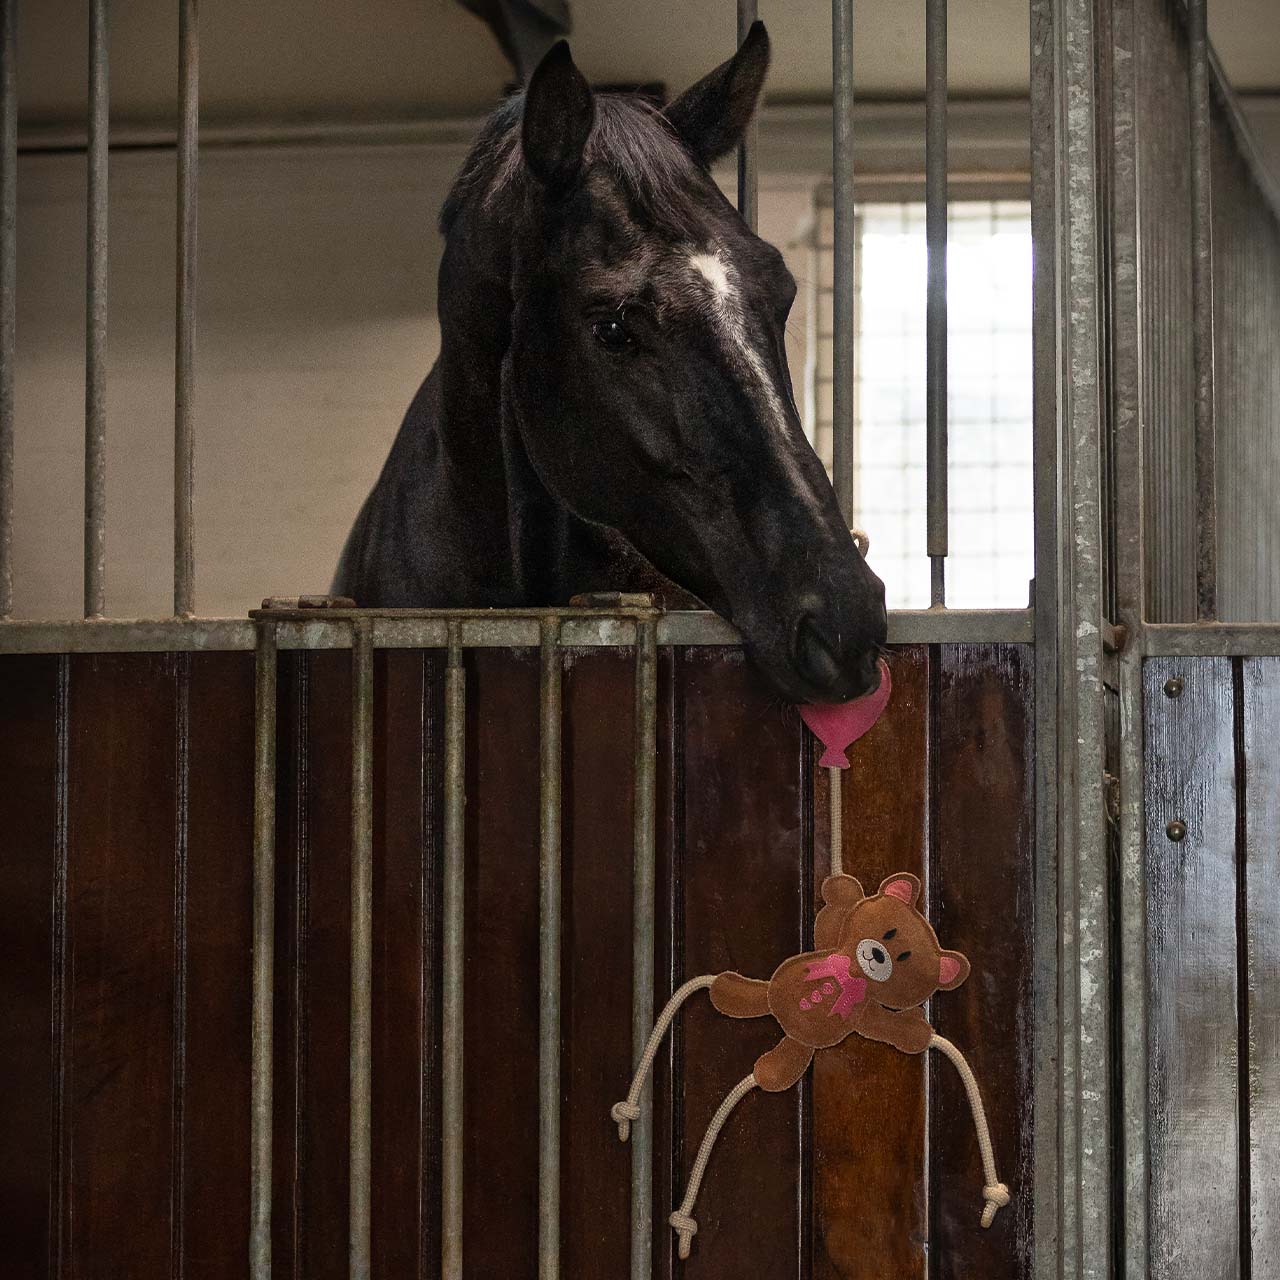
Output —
<point x="839" y="724"/>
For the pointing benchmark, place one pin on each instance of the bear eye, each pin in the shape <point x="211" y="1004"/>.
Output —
<point x="893" y="933"/>
<point x="906" y="955"/>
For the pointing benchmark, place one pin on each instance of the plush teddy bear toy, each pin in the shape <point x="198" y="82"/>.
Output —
<point x="877" y="962"/>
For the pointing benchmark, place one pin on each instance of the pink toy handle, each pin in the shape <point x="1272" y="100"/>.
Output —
<point x="837" y="725"/>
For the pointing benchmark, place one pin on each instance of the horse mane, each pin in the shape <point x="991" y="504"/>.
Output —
<point x="630" y="137"/>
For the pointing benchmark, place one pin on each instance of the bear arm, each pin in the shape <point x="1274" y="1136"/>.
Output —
<point x="906" y="1029"/>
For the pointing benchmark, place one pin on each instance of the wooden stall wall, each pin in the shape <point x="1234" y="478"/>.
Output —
<point x="125" y="888"/>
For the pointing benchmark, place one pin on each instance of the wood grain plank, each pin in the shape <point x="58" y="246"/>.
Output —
<point x="214" y="1225"/>
<point x="1261" y="715"/>
<point x="981" y="900"/>
<point x="29" y="724"/>
<point x="869" y="1099"/>
<point x="407" y="776"/>
<point x="1191" y="957"/>
<point x="599" y="753"/>
<point x="500" y="1175"/>
<point x="746" y="902"/>
<point x="120" y="931"/>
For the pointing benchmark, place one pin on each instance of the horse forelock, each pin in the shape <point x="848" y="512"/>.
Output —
<point x="631" y="141"/>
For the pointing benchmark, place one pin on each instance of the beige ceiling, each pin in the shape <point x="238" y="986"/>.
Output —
<point x="272" y="59"/>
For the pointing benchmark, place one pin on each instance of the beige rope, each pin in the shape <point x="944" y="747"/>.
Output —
<point x="623" y="1113"/>
<point x="682" y="1219"/>
<point x="995" y="1193"/>
<point x="837" y="822"/>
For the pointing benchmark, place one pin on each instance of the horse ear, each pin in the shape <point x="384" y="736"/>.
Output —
<point x="558" y="115"/>
<point x="713" y="114"/>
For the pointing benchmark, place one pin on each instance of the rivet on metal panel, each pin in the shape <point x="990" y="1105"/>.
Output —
<point x="1176" y="831"/>
<point x="1173" y="687"/>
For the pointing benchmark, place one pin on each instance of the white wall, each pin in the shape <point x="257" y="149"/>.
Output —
<point x="315" y="324"/>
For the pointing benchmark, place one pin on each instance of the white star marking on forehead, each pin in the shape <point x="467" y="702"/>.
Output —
<point x="728" y="316"/>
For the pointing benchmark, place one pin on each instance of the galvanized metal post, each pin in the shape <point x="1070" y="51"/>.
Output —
<point x="936" y="415"/>
<point x="95" y="395"/>
<point x="644" y="873"/>
<point x="845" y="243"/>
<point x="184" y="566"/>
<point x="452" y="1021"/>
<point x="264" y="915"/>
<point x="361" y="1150"/>
<point x="8" y="284"/>
<point x="549" y="924"/>
<point x="1202" y="311"/>
<point x="748" y="179"/>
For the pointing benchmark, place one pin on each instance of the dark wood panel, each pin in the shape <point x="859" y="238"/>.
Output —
<point x="746" y="898"/>
<point x="407" y="775"/>
<point x="599" y="753"/>
<point x="869" y="1099"/>
<point x="500" y="1226"/>
<point x="30" y="726"/>
<point x="981" y="902"/>
<point x="120" y="931"/>
<point x="1261" y="716"/>
<point x="1193" y="1133"/>
<point x="212" y="1154"/>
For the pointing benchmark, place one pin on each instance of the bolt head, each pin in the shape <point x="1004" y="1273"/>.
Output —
<point x="1176" y="831"/>
<point x="1173" y="687"/>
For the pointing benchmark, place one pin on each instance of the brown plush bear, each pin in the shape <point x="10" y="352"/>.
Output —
<point x="878" y="961"/>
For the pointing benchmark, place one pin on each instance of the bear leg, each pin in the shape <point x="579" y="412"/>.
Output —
<point x="739" y="997"/>
<point x="783" y="1065"/>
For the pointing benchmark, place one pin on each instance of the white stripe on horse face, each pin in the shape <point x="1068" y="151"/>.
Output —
<point x="727" y="314"/>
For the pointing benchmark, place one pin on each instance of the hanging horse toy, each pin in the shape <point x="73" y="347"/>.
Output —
<point x="876" y="962"/>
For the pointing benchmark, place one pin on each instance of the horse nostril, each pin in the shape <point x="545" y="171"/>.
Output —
<point x="816" y="654"/>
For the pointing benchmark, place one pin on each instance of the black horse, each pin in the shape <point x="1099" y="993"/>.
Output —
<point x="612" y="409"/>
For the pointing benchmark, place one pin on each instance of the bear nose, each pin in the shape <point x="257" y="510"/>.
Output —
<point x="878" y="954"/>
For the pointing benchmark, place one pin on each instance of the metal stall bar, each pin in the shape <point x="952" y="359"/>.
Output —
<point x="549" y="955"/>
<point x="644" y="873"/>
<point x="184" y="562"/>
<point x="935" y="201"/>
<point x="452" y="1024"/>
<point x="264" y="915"/>
<point x="844" y="247"/>
<point x="748" y="178"/>
<point x="361" y="1151"/>
<point x="8" y="284"/>
<point x="95" y="387"/>
<point x="1202" y="311"/>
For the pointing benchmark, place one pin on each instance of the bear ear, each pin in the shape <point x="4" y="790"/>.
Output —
<point x="842" y="891"/>
<point x="953" y="969"/>
<point x="904" y="886"/>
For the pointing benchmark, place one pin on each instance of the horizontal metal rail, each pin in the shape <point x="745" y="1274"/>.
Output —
<point x="417" y="629"/>
<point x="1211" y="640"/>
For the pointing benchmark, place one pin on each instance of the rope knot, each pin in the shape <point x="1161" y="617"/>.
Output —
<point x="622" y="1114"/>
<point x="996" y="1195"/>
<point x="685" y="1228"/>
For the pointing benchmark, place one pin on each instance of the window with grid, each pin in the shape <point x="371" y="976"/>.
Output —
<point x="989" y="322"/>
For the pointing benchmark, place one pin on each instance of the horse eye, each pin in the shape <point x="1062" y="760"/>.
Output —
<point x="611" y="334"/>
<point x="906" y="955"/>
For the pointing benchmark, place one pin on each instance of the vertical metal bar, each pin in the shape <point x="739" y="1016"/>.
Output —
<point x="455" y="727"/>
<point x="8" y="284"/>
<point x="845" y="244"/>
<point x="1202" y="312"/>
<point x="361" y="947"/>
<point x="549" y="957"/>
<point x="264" y="914"/>
<point x="184" y="564"/>
<point x="935" y="199"/>
<point x="748" y="181"/>
<point x="642" y="925"/>
<point x="95" y="389"/>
